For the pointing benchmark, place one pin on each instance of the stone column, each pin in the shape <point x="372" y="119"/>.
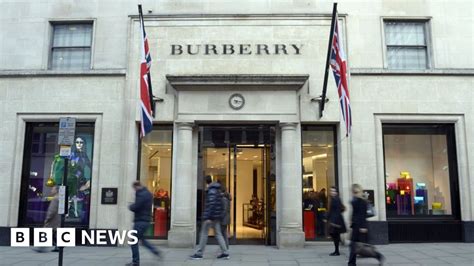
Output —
<point x="290" y="232"/>
<point x="182" y="232"/>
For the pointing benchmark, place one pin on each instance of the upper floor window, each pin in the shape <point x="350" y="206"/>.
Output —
<point x="71" y="46"/>
<point x="407" y="44"/>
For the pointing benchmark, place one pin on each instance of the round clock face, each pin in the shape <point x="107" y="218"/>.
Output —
<point x="236" y="101"/>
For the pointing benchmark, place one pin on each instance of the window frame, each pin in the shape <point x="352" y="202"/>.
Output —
<point x="30" y="125"/>
<point x="446" y="129"/>
<point x="139" y="160"/>
<point x="320" y="127"/>
<point x="52" y="24"/>
<point x="428" y="41"/>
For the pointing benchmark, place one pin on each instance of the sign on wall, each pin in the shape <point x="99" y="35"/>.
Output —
<point x="109" y="195"/>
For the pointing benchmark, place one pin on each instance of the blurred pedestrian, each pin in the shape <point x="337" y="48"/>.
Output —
<point x="142" y="216"/>
<point x="226" y="199"/>
<point x="359" y="229"/>
<point x="337" y="226"/>
<point x="212" y="217"/>
<point x="53" y="219"/>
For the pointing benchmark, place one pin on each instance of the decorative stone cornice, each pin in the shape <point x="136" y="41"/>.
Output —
<point x="228" y="82"/>
<point x="58" y="73"/>
<point x="403" y="72"/>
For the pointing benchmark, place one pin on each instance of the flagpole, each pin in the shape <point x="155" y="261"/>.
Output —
<point x="150" y="90"/>
<point x="328" y="57"/>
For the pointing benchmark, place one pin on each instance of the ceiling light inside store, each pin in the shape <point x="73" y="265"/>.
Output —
<point x="320" y="156"/>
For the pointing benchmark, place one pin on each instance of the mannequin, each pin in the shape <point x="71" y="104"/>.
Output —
<point x="78" y="181"/>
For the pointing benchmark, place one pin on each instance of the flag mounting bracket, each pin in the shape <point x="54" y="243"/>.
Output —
<point x="158" y="99"/>
<point x="320" y="99"/>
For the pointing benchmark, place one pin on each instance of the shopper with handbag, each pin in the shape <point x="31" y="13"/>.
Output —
<point x="337" y="226"/>
<point x="359" y="229"/>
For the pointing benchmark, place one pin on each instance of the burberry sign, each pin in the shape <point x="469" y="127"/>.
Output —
<point x="236" y="49"/>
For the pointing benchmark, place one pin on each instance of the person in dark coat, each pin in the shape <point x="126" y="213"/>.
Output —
<point x="337" y="226"/>
<point x="212" y="217"/>
<point x="359" y="223"/>
<point x="142" y="216"/>
<point x="226" y="199"/>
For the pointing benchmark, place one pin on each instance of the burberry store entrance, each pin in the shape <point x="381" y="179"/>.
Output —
<point x="241" y="158"/>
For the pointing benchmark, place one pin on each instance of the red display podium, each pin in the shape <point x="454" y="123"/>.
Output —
<point x="308" y="222"/>
<point x="160" y="219"/>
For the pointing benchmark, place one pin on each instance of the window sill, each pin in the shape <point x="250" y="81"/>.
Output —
<point x="55" y="73"/>
<point x="421" y="72"/>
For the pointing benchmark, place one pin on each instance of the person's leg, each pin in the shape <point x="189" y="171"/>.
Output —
<point x="337" y="239"/>
<point x="220" y="239"/>
<point x="224" y="234"/>
<point x="354" y="239"/>
<point x="135" y="251"/>
<point x="153" y="249"/>
<point x="203" y="238"/>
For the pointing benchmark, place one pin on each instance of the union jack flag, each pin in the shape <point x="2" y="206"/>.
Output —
<point x="146" y="101"/>
<point x="339" y="68"/>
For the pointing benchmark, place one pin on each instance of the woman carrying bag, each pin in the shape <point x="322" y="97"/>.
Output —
<point x="337" y="226"/>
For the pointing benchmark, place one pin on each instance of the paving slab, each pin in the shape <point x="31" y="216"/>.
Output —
<point x="247" y="255"/>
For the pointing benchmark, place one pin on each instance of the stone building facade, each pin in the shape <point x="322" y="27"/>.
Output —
<point x="236" y="87"/>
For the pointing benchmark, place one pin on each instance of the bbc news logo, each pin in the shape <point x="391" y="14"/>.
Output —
<point x="66" y="237"/>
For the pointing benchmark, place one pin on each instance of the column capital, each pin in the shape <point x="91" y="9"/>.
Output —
<point x="288" y="125"/>
<point x="185" y="125"/>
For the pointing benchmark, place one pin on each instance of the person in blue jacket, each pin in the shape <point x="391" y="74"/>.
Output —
<point x="141" y="220"/>
<point x="212" y="217"/>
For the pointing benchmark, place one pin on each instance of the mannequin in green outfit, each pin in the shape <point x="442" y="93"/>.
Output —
<point x="78" y="182"/>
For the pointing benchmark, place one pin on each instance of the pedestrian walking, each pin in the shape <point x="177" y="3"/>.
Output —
<point x="337" y="226"/>
<point x="142" y="216"/>
<point x="226" y="199"/>
<point x="53" y="219"/>
<point x="359" y="229"/>
<point x="212" y="217"/>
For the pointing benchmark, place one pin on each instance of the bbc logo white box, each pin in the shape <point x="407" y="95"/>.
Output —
<point x="20" y="237"/>
<point x="43" y="237"/>
<point x="66" y="237"/>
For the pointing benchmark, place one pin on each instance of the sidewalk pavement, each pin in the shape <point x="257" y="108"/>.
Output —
<point x="312" y="254"/>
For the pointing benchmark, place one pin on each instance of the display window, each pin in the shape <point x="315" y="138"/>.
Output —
<point x="155" y="174"/>
<point x="319" y="174"/>
<point x="420" y="170"/>
<point x="43" y="169"/>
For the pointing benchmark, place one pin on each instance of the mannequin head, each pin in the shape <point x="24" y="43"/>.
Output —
<point x="80" y="144"/>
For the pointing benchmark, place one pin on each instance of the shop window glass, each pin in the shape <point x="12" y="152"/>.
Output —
<point x="418" y="170"/>
<point x="319" y="174"/>
<point x="155" y="174"/>
<point x="43" y="168"/>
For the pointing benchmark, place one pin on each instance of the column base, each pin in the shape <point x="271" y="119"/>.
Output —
<point x="468" y="231"/>
<point x="290" y="238"/>
<point x="378" y="232"/>
<point x="182" y="238"/>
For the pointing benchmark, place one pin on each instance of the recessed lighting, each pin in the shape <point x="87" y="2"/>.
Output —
<point x="169" y="149"/>
<point x="255" y="156"/>
<point x="310" y="152"/>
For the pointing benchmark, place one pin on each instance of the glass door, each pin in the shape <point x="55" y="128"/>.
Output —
<point x="244" y="171"/>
